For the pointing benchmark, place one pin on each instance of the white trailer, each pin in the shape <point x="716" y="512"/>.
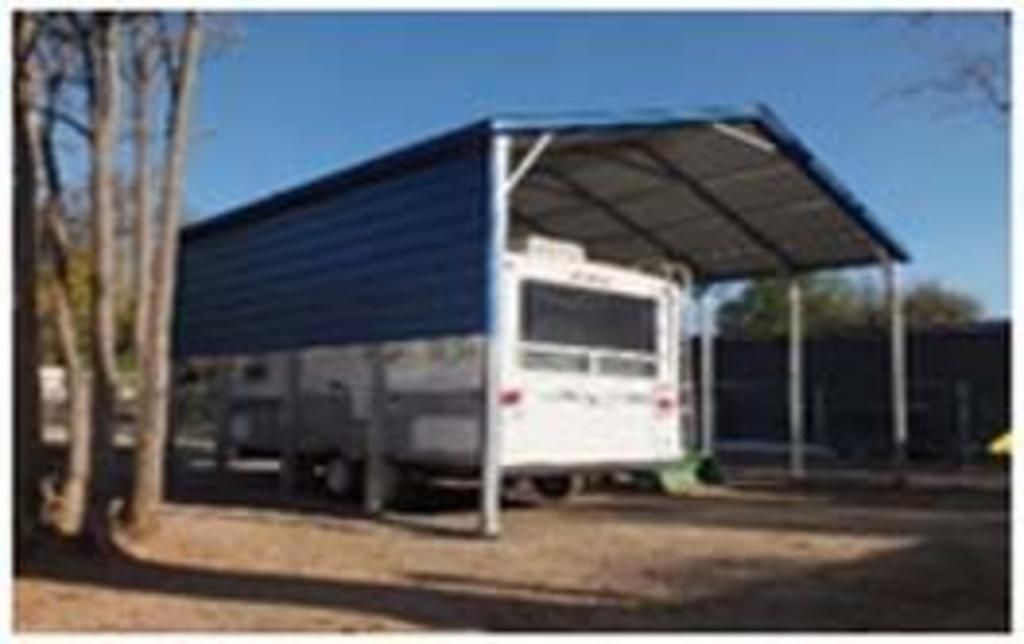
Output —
<point x="590" y="381"/>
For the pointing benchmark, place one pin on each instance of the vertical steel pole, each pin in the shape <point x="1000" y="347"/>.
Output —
<point x="797" y="466"/>
<point x="707" y="375"/>
<point x="290" y="421"/>
<point x="490" y="453"/>
<point x="223" y="397"/>
<point x="373" y="443"/>
<point x="687" y="393"/>
<point x="898" y="355"/>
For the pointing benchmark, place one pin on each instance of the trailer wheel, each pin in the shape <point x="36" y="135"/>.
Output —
<point x="340" y="477"/>
<point x="556" y="487"/>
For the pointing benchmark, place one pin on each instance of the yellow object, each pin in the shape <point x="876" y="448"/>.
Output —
<point x="1000" y="446"/>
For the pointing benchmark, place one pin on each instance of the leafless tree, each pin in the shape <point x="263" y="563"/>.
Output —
<point x="57" y="63"/>
<point x="143" y="58"/>
<point x="27" y="426"/>
<point x="71" y="82"/>
<point x="181" y="65"/>
<point x="99" y="36"/>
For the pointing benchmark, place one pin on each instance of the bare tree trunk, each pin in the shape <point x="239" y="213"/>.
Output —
<point x="142" y="94"/>
<point x="155" y="383"/>
<point x="75" y="488"/>
<point x="70" y="507"/>
<point x="26" y="346"/>
<point x="104" y="46"/>
<point x="74" y="491"/>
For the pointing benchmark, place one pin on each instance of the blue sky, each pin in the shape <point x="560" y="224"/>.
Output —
<point x="305" y="94"/>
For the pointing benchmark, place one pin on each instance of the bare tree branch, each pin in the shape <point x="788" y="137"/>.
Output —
<point x="975" y="75"/>
<point x="64" y="118"/>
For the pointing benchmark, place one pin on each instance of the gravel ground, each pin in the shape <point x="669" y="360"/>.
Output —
<point x="756" y="555"/>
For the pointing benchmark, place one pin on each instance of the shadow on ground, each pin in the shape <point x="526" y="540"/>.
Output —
<point x="783" y="603"/>
<point x="943" y="579"/>
<point x="849" y="501"/>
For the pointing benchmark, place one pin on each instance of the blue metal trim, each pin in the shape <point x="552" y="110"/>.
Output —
<point x="479" y="132"/>
<point x="620" y="121"/>
<point x="759" y="115"/>
<point x="433" y="150"/>
<point x="392" y="259"/>
<point x="772" y="126"/>
<point x="492" y="190"/>
<point x="476" y="139"/>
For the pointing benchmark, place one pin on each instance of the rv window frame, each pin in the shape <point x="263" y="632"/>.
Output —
<point x="651" y="348"/>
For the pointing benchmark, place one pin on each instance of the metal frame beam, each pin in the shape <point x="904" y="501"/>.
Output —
<point x="747" y="138"/>
<point x="760" y="210"/>
<point x="528" y="161"/>
<point x="759" y="171"/>
<point x="491" y="439"/>
<point x="786" y="263"/>
<point x="687" y="391"/>
<point x="374" y="438"/>
<point x="599" y="152"/>
<point x="290" y="415"/>
<point x="797" y="465"/>
<point x="898" y="363"/>
<point x="707" y="374"/>
<point x="611" y="211"/>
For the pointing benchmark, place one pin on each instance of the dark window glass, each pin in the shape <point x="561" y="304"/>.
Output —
<point x="585" y="318"/>
<point x="552" y="361"/>
<point x="629" y="367"/>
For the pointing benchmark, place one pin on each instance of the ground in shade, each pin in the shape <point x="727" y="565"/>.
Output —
<point x="757" y="555"/>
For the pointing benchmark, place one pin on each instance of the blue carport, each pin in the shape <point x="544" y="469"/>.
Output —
<point x="707" y="197"/>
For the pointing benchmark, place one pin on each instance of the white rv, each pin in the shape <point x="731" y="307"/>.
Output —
<point x="590" y="380"/>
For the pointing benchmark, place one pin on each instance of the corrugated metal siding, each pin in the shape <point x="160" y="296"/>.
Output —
<point x="400" y="258"/>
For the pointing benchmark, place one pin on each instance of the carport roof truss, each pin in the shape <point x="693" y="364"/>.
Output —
<point x="730" y="195"/>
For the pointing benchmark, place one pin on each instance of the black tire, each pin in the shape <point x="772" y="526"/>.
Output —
<point x="556" y="488"/>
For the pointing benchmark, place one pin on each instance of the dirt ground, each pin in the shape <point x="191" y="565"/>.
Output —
<point x="756" y="554"/>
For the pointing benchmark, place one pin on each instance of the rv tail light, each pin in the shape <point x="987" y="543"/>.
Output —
<point x="510" y="397"/>
<point x="665" y="404"/>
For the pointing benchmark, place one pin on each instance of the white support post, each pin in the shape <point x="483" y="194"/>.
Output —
<point x="687" y="393"/>
<point x="707" y="375"/>
<point x="490" y="445"/>
<point x="797" y="465"/>
<point x="898" y="355"/>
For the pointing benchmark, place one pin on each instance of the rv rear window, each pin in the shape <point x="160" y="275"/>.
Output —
<point x="554" y="361"/>
<point x="629" y="367"/>
<point x="587" y="318"/>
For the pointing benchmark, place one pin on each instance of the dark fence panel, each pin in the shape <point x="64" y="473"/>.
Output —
<point x="959" y="384"/>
